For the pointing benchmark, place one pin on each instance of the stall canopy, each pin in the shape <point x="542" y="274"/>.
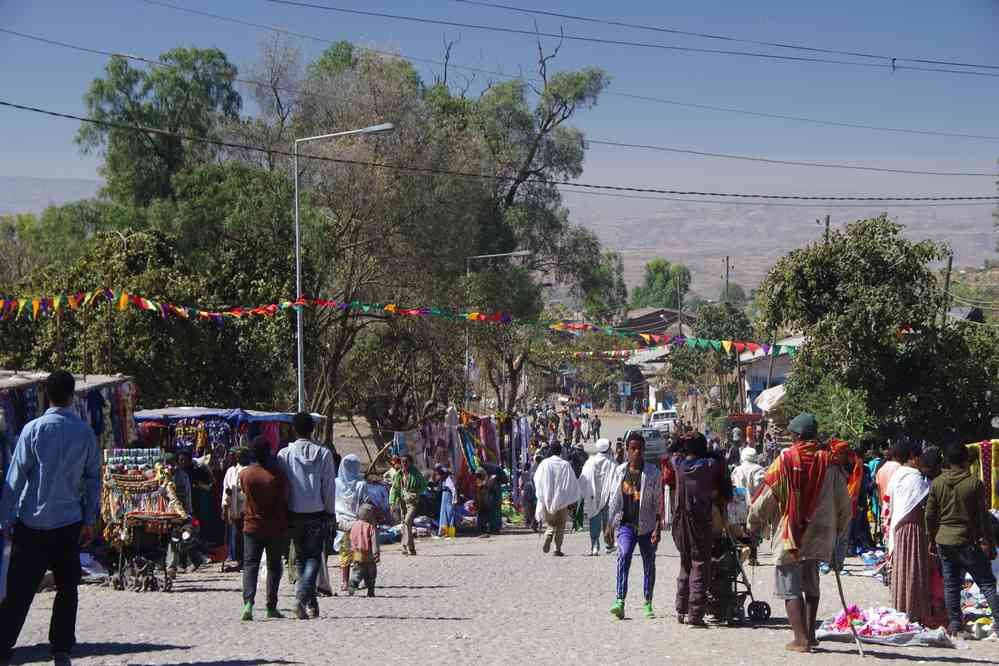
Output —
<point x="236" y="416"/>
<point x="770" y="398"/>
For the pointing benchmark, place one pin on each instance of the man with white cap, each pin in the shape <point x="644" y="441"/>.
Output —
<point x="594" y="485"/>
<point x="749" y="475"/>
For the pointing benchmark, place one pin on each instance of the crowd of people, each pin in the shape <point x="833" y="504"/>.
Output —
<point x="301" y="505"/>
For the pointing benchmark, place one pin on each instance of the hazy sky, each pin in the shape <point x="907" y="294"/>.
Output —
<point x="963" y="30"/>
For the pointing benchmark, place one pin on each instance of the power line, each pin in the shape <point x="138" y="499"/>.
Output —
<point x="673" y="31"/>
<point x="316" y="38"/>
<point x="824" y="165"/>
<point x="602" y="142"/>
<point x="640" y="197"/>
<point x="618" y="42"/>
<point x="483" y="176"/>
<point x="611" y="93"/>
<point x="814" y="121"/>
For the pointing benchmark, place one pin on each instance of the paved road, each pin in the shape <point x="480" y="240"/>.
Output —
<point x="491" y="601"/>
<point x="494" y="601"/>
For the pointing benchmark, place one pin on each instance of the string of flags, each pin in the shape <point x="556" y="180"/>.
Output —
<point x="726" y="346"/>
<point x="34" y="308"/>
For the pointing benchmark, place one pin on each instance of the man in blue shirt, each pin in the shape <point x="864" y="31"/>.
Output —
<point x="49" y="504"/>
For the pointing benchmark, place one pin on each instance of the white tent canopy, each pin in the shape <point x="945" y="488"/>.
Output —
<point x="770" y="398"/>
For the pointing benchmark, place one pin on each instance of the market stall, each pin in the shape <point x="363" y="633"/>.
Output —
<point x="209" y="433"/>
<point x="106" y="402"/>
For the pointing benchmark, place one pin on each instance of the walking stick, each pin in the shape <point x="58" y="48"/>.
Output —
<point x="842" y="598"/>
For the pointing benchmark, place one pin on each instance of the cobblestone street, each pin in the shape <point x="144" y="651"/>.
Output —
<point x="497" y="600"/>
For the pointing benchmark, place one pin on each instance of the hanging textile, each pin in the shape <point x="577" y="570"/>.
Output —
<point x="489" y="440"/>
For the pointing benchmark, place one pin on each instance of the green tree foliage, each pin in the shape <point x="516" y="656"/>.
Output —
<point x="736" y="295"/>
<point x="662" y="284"/>
<point x="605" y="297"/>
<point x="870" y="305"/>
<point x="175" y="361"/>
<point x="841" y="412"/>
<point x="192" y="94"/>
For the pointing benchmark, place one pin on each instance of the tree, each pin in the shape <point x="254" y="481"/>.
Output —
<point x="870" y="304"/>
<point x="242" y="363"/>
<point x="605" y="295"/>
<point x="735" y="295"/>
<point x="191" y="94"/>
<point x="663" y="286"/>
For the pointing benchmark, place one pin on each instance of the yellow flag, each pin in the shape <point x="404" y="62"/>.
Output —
<point x="727" y="345"/>
<point x="123" y="301"/>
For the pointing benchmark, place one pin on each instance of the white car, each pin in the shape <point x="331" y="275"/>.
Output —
<point x="665" y="420"/>
<point x="655" y="443"/>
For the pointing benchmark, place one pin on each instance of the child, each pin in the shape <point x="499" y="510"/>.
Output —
<point x="449" y="498"/>
<point x="364" y="544"/>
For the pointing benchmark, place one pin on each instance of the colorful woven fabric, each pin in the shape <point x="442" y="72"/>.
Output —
<point x="796" y="479"/>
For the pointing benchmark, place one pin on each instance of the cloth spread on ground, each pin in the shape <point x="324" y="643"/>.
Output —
<point x="796" y="479"/>
<point x="556" y="486"/>
<point x="884" y="626"/>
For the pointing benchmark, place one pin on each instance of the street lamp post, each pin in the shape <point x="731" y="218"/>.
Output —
<point x="468" y="275"/>
<point x="373" y="129"/>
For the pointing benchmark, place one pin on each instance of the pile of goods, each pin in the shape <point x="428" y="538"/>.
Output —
<point x="884" y="626"/>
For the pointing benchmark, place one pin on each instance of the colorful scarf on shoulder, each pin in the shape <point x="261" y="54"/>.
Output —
<point x="796" y="479"/>
<point x="838" y="447"/>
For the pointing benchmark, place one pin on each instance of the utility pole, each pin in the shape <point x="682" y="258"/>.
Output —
<point x="679" y="306"/>
<point x="946" y="303"/>
<point x="726" y="278"/>
<point x="827" y="229"/>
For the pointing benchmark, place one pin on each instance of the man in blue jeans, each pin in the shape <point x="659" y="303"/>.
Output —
<point x="960" y="527"/>
<point x="311" y="473"/>
<point x="634" y="508"/>
<point x="51" y="497"/>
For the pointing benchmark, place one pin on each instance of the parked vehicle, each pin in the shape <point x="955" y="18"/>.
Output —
<point x="655" y="443"/>
<point x="665" y="420"/>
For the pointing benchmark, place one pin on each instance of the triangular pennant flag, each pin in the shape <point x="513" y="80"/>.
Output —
<point x="646" y="337"/>
<point x="727" y="345"/>
<point x="123" y="301"/>
<point x="36" y="304"/>
<point x="691" y="342"/>
<point x="739" y="346"/>
<point x="766" y="349"/>
<point x="57" y="303"/>
<point x="753" y="347"/>
<point x="716" y="344"/>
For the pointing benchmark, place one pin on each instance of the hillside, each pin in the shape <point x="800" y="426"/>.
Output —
<point x="696" y="235"/>
<point x="20" y="194"/>
<point x="754" y="236"/>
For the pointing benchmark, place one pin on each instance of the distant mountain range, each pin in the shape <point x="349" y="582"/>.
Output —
<point x="699" y="236"/>
<point x="19" y="194"/>
<point x="753" y="237"/>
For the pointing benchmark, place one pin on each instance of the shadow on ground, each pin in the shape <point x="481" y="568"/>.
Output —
<point x="41" y="652"/>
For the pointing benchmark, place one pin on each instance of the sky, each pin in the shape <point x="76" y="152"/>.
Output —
<point x="963" y="30"/>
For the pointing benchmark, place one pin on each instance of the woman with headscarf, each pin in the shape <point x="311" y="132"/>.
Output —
<point x="350" y="494"/>
<point x="908" y="542"/>
<point x="449" y="499"/>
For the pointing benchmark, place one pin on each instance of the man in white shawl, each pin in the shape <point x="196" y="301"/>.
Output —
<point x="594" y="485"/>
<point x="557" y="488"/>
<point x="351" y="493"/>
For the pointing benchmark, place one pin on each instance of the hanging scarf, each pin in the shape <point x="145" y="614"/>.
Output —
<point x="796" y="479"/>
<point x="853" y="483"/>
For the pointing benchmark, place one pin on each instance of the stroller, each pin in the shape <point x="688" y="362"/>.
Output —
<point x="730" y="586"/>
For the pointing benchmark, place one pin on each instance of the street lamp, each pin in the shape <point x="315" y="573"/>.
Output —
<point x="373" y="129"/>
<point x="468" y="275"/>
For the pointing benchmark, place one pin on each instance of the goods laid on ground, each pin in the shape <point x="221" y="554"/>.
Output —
<point x="881" y="626"/>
